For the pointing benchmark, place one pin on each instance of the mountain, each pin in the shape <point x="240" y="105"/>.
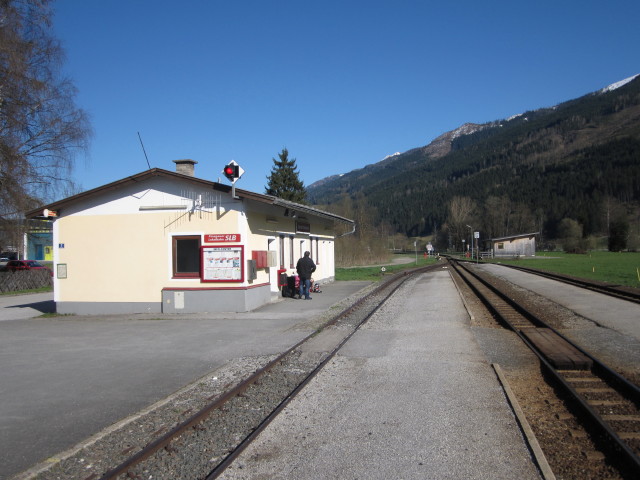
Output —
<point x="436" y="149"/>
<point x="556" y="162"/>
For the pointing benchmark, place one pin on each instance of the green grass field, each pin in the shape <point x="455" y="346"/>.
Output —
<point x="375" y="273"/>
<point x="619" y="268"/>
<point x="616" y="268"/>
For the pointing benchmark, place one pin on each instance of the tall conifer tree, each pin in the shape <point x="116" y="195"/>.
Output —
<point x="283" y="182"/>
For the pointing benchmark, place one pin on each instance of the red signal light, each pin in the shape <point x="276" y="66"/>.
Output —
<point x="231" y="171"/>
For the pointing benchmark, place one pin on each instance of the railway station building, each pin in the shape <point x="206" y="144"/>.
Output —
<point x="523" y="245"/>
<point x="168" y="242"/>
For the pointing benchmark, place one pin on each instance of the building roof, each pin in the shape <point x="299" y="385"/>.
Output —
<point x="513" y="237"/>
<point x="59" y="205"/>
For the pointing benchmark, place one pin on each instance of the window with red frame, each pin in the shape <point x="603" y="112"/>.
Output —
<point x="186" y="256"/>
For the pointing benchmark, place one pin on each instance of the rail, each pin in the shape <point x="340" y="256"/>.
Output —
<point x="277" y="370"/>
<point x="618" y="291"/>
<point x="579" y="375"/>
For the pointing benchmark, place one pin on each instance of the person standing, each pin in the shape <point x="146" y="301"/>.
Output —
<point x="305" y="267"/>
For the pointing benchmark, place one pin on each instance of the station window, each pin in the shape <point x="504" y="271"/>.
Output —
<point x="500" y="246"/>
<point x="186" y="256"/>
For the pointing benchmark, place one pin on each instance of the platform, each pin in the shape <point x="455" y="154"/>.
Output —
<point x="411" y="396"/>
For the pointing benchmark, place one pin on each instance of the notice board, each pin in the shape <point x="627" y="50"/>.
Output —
<point x="222" y="264"/>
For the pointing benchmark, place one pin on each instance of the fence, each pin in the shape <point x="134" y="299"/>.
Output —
<point x="24" y="280"/>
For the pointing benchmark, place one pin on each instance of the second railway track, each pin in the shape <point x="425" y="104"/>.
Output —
<point x="607" y="403"/>
<point x="617" y="291"/>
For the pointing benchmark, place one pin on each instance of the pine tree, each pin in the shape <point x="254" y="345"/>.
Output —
<point x="284" y="182"/>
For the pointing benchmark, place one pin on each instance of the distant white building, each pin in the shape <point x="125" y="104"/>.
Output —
<point x="523" y="245"/>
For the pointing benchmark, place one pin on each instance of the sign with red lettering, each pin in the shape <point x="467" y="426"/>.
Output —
<point x="221" y="237"/>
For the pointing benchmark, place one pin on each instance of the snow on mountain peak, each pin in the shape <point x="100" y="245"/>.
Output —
<point x="466" y="129"/>
<point x="619" y="84"/>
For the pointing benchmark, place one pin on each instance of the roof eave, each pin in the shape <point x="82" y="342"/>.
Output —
<point x="246" y="194"/>
<point x="522" y="235"/>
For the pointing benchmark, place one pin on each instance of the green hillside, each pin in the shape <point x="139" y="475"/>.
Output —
<point x="578" y="160"/>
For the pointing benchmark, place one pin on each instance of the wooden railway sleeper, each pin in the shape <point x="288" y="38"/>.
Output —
<point x="624" y="454"/>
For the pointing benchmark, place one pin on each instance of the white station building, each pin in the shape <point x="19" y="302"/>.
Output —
<point x="163" y="241"/>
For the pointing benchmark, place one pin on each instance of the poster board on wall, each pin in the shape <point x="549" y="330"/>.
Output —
<point x="222" y="263"/>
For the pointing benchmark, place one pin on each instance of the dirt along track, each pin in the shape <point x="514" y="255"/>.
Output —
<point x="568" y="447"/>
<point x="607" y="327"/>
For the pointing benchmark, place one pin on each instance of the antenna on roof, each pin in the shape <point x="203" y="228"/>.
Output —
<point x="144" y="151"/>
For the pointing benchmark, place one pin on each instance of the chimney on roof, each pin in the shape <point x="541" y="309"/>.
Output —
<point x="185" y="167"/>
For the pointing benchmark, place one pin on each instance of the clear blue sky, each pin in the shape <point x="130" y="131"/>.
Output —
<point x="340" y="84"/>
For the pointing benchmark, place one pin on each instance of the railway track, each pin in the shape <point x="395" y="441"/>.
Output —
<point x="606" y="403"/>
<point x="617" y="291"/>
<point x="187" y="450"/>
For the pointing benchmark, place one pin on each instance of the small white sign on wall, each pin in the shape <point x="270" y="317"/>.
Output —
<point x="178" y="300"/>
<point x="61" y="270"/>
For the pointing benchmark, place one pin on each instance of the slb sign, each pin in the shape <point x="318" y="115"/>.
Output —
<point x="221" y="237"/>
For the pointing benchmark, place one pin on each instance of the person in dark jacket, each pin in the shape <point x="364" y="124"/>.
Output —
<point x="305" y="267"/>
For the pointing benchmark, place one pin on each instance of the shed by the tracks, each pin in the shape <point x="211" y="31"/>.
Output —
<point x="164" y="241"/>
<point x="522" y="245"/>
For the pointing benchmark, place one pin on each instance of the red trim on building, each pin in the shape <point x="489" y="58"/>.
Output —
<point x="178" y="289"/>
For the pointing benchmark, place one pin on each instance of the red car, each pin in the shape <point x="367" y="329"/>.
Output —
<point x="13" y="265"/>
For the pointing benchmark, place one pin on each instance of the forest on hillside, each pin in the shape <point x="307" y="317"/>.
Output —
<point x="578" y="162"/>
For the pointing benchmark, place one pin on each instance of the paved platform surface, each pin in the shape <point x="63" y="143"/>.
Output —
<point x="64" y="378"/>
<point x="411" y="396"/>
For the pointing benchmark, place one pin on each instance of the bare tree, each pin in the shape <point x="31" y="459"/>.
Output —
<point x="41" y="128"/>
<point x="368" y="244"/>
<point x="496" y="216"/>
<point x="570" y="234"/>
<point x="461" y="210"/>
<point x="523" y="221"/>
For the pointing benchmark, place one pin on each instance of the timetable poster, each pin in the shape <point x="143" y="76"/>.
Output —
<point x="222" y="264"/>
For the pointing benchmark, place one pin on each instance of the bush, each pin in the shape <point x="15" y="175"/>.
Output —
<point x="618" y="233"/>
